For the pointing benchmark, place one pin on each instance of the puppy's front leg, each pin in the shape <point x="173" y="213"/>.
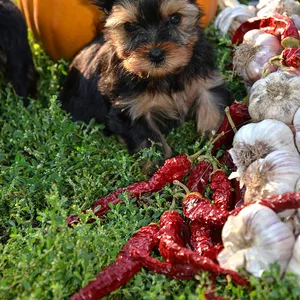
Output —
<point x="137" y="134"/>
<point x="210" y="104"/>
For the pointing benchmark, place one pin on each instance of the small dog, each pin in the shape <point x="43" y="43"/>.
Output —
<point x="15" y="54"/>
<point x="151" y="69"/>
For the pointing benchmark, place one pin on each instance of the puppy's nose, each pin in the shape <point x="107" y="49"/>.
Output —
<point x="156" y="55"/>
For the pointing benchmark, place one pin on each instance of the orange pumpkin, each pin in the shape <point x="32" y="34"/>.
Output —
<point x="65" y="26"/>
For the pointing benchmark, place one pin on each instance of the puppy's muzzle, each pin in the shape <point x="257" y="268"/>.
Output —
<point x="156" y="56"/>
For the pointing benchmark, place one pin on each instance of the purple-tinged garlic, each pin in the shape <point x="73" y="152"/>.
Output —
<point x="254" y="239"/>
<point x="294" y="264"/>
<point x="256" y="140"/>
<point x="275" y="97"/>
<point x="276" y="174"/>
<point x="255" y="51"/>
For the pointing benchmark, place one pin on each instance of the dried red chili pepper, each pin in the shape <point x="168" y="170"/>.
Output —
<point x="226" y="160"/>
<point x="200" y="239"/>
<point x="175" y="271"/>
<point x="221" y="187"/>
<point x="236" y="115"/>
<point x="173" y="169"/>
<point x="278" y="25"/>
<point x="199" y="177"/>
<point x="213" y="252"/>
<point x="195" y="207"/>
<point x="278" y="203"/>
<point x="172" y="250"/>
<point x="291" y="57"/>
<point x="123" y="269"/>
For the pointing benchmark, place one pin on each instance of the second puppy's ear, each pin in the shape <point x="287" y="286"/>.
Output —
<point x="105" y="5"/>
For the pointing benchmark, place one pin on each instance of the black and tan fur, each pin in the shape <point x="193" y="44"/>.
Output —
<point x="114" y="80"/>
<point x="15" y="54"/>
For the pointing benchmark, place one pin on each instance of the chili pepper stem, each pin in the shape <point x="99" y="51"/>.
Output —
<point x="227" y="112"/>
<point x="210" y="160"/>
<point x="177" y="195"/>
<point x="208" y="147"/>
<point x="184" y="187"/>
<point x="197" y="154"/>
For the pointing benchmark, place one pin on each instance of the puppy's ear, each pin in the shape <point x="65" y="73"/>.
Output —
<point x="105" y="5"/>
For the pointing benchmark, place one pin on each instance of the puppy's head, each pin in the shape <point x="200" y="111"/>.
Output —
<point x="153" y="38"/>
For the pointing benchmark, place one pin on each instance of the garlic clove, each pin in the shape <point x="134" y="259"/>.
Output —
<point x="294" y="264"/>
<point x="277" y="173"/>
<point x="256" y="50"/>
<point x="296" y="123"/>
<point x="275" y="97"/>
<point x="256" y="140"/>
<point x="254" y="239"/>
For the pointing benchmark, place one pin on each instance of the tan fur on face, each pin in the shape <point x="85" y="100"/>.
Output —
<point x="176" y="57"/>
<point x="189" y="12"/>
<point x="114" y="27"/>
<point x="121" y="14"/>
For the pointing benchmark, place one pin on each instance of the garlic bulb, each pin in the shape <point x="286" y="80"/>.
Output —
<point x="254" y="239"/>
<point x="296" y="123"/>
<point x="255" y="51"/>
<point x="269" y="8"/>
<point x="276" y="174"/>
<point x="294" y="264"/>
<point x="229" y="19"/>
<point x="275" y="97"/>
<point x="256" y="140"/>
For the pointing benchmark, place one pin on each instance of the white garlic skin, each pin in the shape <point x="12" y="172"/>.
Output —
<point x="255" y="51"/>
<point x="269" y="8"/>
<point x="276" y="174"/>
<point x="275" y="97"/>
<point x="230" y="17"/>
<point x="254" y="239"/>
<point x="294" y="264"/>
<point x="256" y="140"/>
<point x="296" y="123"/>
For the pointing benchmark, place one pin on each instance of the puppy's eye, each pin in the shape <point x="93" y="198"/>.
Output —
<point x="174" y="19"/>
<point x="130" y="27"/>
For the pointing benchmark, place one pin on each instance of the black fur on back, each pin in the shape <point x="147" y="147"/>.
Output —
<point x="15" y="53"/>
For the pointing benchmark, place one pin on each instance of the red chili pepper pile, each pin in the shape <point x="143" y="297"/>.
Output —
<point x="184" y="256"/>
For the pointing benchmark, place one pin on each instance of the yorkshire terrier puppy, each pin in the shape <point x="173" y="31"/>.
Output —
<point x="151" y="68"/>
<point x="15" y="55"/>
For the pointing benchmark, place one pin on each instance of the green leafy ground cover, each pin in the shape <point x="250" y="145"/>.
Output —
<point x="51" y="168"/>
